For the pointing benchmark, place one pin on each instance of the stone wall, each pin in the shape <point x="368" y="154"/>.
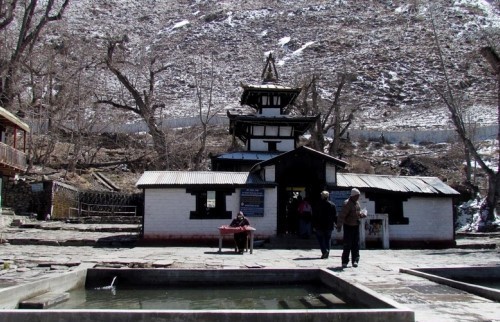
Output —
<point x="61" y="201"/>
<point x="20" y="197"/>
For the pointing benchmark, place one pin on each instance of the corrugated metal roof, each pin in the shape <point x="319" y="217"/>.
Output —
<point x="424" y="185"/>
<point x="270" y="87"/>
<point x="185" y="178"/>
<point x="262" y="156"/>
<point x="6" y="116"/>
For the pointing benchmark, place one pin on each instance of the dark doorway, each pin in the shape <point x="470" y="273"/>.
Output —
<point x="291" y="219"/>
<point x="302" y="175"/>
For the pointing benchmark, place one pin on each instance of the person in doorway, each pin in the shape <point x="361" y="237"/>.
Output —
<point x="349" y="219"/>
<point x="240" y="238"/>
<point x="292" y="215"/>
<point x="305" y="217"/>
<point x="324" y="218"/>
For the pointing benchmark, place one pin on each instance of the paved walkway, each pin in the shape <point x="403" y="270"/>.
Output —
<point x="41" y="255"/>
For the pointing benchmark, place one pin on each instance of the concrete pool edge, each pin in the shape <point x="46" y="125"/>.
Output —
<point x="387" y="310"/>
<point x="12" y="295"/>
<point x="482" y="291"/>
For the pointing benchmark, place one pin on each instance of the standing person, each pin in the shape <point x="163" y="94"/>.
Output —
<point x="305" y="217"/>
<point x="292" y="216"/>
<point x="349" y="219"/>
<point x="324" y="218"/>
<point x="240" y="238"/>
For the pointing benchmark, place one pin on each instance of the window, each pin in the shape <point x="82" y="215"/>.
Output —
<point x="265" y="100"/>
<point x="272" y="130"/>
<point x="210" y="204"/>
<point x="276" y="100"/>
<point x="285" y="131"/>
<point x="390" y="204"/>
<point x="258" y="130"/>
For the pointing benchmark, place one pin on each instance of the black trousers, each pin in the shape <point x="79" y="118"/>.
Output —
<point x="351" y="244"/>
<point x="240" y="239"/>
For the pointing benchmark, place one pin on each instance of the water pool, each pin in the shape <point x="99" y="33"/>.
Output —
<point x="362" y="304"/>
<point x="257" y="297"/>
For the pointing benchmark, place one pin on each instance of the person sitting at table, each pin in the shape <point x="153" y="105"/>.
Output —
<point x="240" y="238"/>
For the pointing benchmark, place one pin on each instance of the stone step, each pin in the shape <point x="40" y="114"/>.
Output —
<point x="44" y="300"/>
<point x="313" y="303"/>
<point x="331" y="299"/>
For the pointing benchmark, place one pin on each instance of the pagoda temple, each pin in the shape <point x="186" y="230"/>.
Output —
<point x="269" y="131"/>
<point x="267" y="178"/>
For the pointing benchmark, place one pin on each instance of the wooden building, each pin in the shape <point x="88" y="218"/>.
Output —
<point x="12" y="147"/>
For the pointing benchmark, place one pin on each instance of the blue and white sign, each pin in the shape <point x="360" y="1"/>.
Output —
<point x="252" y="202"/>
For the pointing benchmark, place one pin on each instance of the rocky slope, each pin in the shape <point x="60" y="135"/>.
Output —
<point x="388" y="45"/>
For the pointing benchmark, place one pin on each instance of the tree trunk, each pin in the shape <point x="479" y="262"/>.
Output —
<point x="318" y="139"/>
<point x="159" y="143"/>
<point x="468" y="166"/>
<point x="199" y="156"/>
<point x="493" y="196"/>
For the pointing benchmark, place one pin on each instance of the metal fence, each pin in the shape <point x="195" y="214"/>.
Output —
<point x="89" y="210"/>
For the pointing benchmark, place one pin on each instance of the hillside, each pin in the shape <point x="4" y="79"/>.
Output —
<point x="388" y="45"/>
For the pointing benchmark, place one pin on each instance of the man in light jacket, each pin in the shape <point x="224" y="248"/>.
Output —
<point x="349" y="219"/>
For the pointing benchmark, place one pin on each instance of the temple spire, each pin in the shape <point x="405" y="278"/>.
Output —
<point x="269" y="74"/>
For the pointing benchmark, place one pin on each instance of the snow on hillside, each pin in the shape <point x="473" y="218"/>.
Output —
<point x="389" y="45"/>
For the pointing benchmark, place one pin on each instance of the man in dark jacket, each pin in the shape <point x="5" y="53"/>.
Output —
<point x="324" y="218"/>
<point x="240" y="238"/>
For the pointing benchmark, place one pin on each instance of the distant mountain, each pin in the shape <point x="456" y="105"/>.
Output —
<point x="388" y="45"/>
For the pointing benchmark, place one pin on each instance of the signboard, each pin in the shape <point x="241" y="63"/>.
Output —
<point x="338" y="198"/>
<point x="37" y="187"/>
<point x="252" y="202"/>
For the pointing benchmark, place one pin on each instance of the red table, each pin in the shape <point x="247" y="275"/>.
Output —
<point x="228" y="230"/>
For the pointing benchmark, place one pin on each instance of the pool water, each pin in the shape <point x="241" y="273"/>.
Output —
<point x="265" y="297"/>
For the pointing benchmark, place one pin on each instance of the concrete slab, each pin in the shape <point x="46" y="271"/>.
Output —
<point x="44" y="301"/>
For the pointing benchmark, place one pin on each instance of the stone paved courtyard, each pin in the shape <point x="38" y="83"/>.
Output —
<point x="38" y="252"/>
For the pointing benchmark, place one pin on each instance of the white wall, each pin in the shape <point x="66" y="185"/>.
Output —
<point x="270" y="173"/>
<point x="167" y="212"/>
<point x="430" y="219"/>
<point x="269" y="111"/>
<point x="260" y="145"/>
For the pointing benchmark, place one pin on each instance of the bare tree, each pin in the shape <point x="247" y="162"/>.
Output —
<point x="7" y="12"/>
<point x="58" y="101"/>
<point x="146" y="105"/>
<point x="491" y="55"/>
<point x="204" y="79"/>
<point x="35" y="18"/>
<point x="448" y="96"/>
<point x="334" y="116"/>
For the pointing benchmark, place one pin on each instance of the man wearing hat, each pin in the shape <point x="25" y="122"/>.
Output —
<point x="324" y="218"/>
<point x="349" y="219"/>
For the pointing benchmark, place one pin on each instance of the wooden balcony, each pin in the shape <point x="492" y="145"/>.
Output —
<point x="11" y="160"/>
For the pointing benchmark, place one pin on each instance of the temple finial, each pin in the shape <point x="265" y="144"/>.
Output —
<point x="269" y="74"/>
